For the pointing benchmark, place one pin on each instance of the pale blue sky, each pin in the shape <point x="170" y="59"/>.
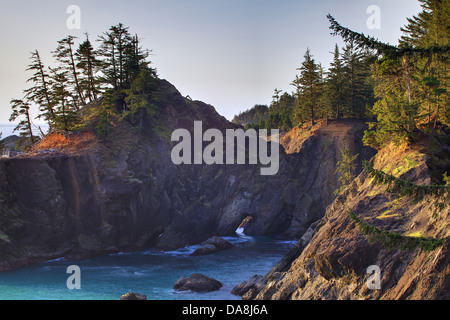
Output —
<point x="228" y="53"/>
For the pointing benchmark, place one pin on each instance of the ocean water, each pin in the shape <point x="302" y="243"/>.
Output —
<point x="7" y="129"/>
<point x="149" y="272"/>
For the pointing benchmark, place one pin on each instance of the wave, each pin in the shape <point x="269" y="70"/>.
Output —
<point x="186" y="251"/>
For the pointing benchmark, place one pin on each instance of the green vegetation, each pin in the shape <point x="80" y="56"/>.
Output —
<point x="411" y="79"/>
<point x="252" y="116"/>
<point x="346" y="167"/>
<point x="22" y="109"/>
<point x="345" y="91"/>
<point x="402" y="91"/>
<point x="394" y="239"/>
<point x="440" y="193"/>
<point x="446" y="179"/>
<point x="118" y="71"/>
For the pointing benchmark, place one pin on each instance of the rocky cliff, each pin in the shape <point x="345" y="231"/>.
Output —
<point x="336" y="260"/>
<point x="88" y="198"/>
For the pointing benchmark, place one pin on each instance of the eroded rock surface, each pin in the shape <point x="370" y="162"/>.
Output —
<point x="197" y="282"/>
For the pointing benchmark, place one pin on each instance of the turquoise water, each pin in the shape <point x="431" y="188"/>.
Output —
<point x="149" y="272"/>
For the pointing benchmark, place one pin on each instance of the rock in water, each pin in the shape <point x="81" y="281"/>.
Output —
<point x="212" y="245"/>
<point x="197" y="282"/>
<point x="133" y="296"/>
<point x="204" y="250"/>
<point x="219" y="243"/>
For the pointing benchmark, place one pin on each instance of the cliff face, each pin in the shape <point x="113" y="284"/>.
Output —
<point x="334" y="263"/>
<point x="127" y="194"/>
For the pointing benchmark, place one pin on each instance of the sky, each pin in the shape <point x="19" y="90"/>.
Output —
<point x="231" y="54"/>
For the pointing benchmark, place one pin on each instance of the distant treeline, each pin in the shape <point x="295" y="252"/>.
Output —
<point x="345" y="90"/>
<point x="402" y="91"/>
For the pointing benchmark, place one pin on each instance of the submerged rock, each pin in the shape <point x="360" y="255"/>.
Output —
<point x="212" y="245"/>
<point x="133" y="296"/>
<point x="197" y="282"/>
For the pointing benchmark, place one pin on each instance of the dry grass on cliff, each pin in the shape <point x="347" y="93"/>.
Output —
<point x="74" y="143"/>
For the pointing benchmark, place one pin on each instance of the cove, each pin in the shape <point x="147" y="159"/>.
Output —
<point x="148" y="272"/>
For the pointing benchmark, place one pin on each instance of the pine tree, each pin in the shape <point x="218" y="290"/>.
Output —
<point x="105" y="115"/>
<point x="310" y="83"/>
<point x="298" y="106"/>
<point x="141" y="97"/>
<point x="275" y="106"/>
<point x="116" y="46"/>
<point x="323" y="107"/>
<point x="429" y="27"/>
<point x="39" y="93"/>
<point x="346" y="168"/>
<point x="286" y="106"/>
<point x="356" y="89"/>
<point x="135" y="57"/>
<point x="21" y="108"/>
<point x="335" y="84"/>
<point x="108" y="51"/>
<point x="123" y="42"/>
<point x="88" y="64"/>
<point x="65" y="110"/>
<point x="411" y="79"/>
<point x="65" y="55"/>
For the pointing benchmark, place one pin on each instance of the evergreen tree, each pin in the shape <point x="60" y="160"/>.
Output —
<point x="357" y="90"/>
<point x="105" y="116"/>
<point x="21" y="108"/>
<point x="275" y="106"/>
<point x="253" y="116"/>
<point x="346" y="168"/>
<point x="39" y="93"/>
<point x="65" y="55"/>
<point x="335" y="84"/>
<point x="323" y="107"/>
<point x="123" y="42"/>
<point x="429" y="27"/>
<point x="299" y="116"/>
<point x="65" y="110"/>
<point x="142" y="96"/>
<point x="115" y="47"/>
<point x="88" y="63"/>
<point x="411" y="79"/>
<point x="286" y="105"/>
<point x="135" y="57"/>
<point x="310" y="83"/>
<point x="109" y="65"/>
